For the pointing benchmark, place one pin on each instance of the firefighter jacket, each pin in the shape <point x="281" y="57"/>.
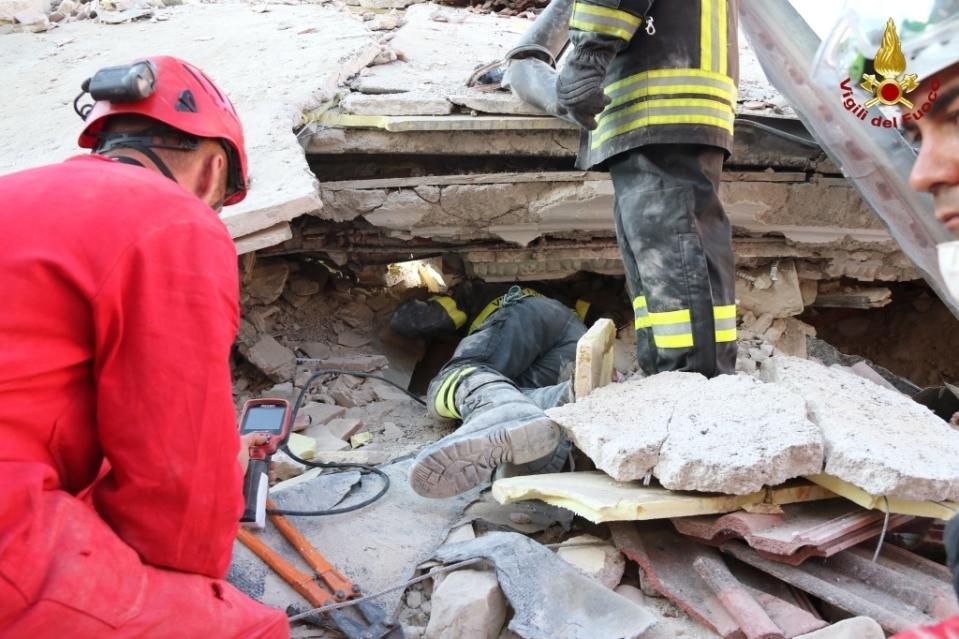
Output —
<point x="674" y="80"/>
<point x="121" y="487"/>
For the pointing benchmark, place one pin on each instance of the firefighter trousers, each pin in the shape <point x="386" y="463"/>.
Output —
<point x="530" y="342"/>
<point x="676" y="243"/>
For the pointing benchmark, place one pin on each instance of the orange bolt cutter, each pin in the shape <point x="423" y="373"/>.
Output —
<point x="369" y="623"/>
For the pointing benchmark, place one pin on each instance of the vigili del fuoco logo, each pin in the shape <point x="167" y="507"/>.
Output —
<point x="891" y="87"/>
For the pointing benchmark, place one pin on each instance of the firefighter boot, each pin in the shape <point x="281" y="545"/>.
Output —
<point x="500" y="425"/>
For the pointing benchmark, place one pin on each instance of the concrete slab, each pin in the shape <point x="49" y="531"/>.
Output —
<point x="599" y="498"/>
<point x="875" y="438"/>
<point x="441" y="46"/>
<point x="293" y="57"/>
<point x="761" y="438"/>
<point x="649" y="425"/>
<point x="800" y="531"/>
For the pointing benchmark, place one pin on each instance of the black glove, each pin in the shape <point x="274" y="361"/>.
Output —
<point x="579" y="86"/>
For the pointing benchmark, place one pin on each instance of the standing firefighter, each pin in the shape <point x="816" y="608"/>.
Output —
<point x="656" y="87"/>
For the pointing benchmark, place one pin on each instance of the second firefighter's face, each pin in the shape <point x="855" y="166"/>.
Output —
<point x="936" y="170"/>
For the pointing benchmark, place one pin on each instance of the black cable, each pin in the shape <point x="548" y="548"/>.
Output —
<point x="786" y="135"/>
<point x="363" y="468"/>
<point x="337" y="371"/>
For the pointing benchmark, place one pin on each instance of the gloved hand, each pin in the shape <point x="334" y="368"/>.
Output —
<point x="579" y="86"/>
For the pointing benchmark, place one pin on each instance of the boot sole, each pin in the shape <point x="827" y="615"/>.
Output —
<point x="452" y="467"/>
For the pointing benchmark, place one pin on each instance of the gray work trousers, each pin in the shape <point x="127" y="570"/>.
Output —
<point x="530" y="342"/>
<point x="676" y="243"/>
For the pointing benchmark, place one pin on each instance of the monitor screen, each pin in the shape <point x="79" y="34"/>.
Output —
<point x="264" y="419"/>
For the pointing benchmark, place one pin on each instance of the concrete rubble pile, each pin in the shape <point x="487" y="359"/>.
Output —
<point x="726" y="507"/>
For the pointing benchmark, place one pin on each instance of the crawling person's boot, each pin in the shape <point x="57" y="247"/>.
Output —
<point x="500" y="425"/>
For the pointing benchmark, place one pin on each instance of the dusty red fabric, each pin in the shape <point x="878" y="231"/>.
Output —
<point x="118" y="309"/>
<point x="948" y="629"/>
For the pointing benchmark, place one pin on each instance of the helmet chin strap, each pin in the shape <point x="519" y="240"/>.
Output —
<point x="143" y="142"/>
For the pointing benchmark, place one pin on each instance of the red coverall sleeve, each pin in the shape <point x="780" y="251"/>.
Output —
<point x="166" y="318"/>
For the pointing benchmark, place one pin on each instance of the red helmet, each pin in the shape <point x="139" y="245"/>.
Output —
<point x="185" y="99"/>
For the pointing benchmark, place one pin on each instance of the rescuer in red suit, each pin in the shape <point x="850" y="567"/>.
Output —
<point x="121" y="486"/>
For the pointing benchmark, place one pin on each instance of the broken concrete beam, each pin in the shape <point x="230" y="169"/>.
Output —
<point x="275" y="360"/>
<point x="594" y="358"/>
<point x="396" y="104"/>
<point x="467" y="604"/>
<point x="865" y="428"/>
<point x="265" y="238"/>
<point x="632" y="429"/>
<point x="595" y="558"/>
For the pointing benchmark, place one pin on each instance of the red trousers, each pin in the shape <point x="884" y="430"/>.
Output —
<point x="75" y="598"/>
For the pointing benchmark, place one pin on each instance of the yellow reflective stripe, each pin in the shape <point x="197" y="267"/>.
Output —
<point x="449" y="305"/>
<point x="676" y="76"/>
<point x="684" y="340"/>
<point x="595" y="27"/>
<point x="642" y="313"/>
<point x="606" y="12"/>
<point x="721" y="32"/>
<point x="724" y="312"/>
<point x="445" y="403"/>
<point x="670" y="317"/>
<point x="595" y="19"/>
<point x="675" y="89"/>
<point x="655" y="120"/>
<point x="582" y="309"/>
<point x="677" y="106"/>
<point x="705" y="34"/>
<point x="726" y="335"/>
<point x="492" y="307"/>
<point x="488" y="310"/>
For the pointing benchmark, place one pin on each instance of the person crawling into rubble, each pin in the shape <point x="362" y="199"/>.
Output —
<point x="122" y="489"/>
<point x="515" y="362"/>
